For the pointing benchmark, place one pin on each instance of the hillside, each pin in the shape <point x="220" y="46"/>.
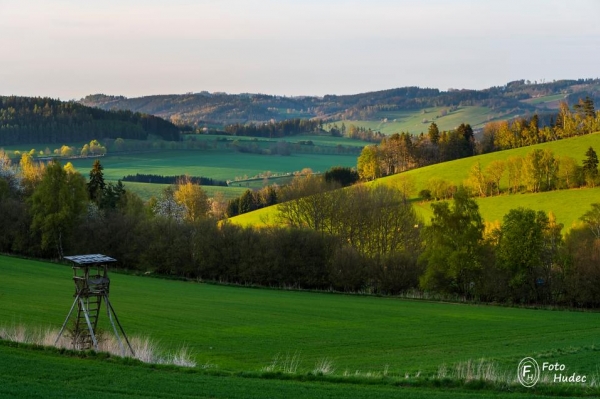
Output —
<point x="34" y="120"/>
<point x="210" y="109"/>
<point x="567" y="205"/>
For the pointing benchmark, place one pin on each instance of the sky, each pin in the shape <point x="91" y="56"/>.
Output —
<point x="69" y="49"/>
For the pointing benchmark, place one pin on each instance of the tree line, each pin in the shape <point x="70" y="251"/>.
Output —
<point x="159" y="179"/>
<point x="581" y="119"/>
<point x="540" y="170"/>
<point x="285" y="128"/>
<point x="30" y="120"/>
<point x="360" y="239"/>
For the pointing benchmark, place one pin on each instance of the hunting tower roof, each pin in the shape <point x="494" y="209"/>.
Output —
<point x="90" y="259"/>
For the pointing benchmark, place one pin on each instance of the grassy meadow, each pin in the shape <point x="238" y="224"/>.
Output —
<point x="567" y="205"/>
<point x="222" y="165"/>
<point x="218" y="164"/>
<point x="237" y="330"/>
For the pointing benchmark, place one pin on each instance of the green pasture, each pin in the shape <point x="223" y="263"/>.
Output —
<point x="567" y="205"/>
<point x="243" y="329"/>
<point x="413" y="121"/>
<point x="222" y="165"/>
<point x="545" y="99"/>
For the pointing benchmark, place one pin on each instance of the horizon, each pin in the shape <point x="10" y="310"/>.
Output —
<point x="69" y="50"/>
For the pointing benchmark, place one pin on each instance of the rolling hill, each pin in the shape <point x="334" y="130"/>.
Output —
<point x="567" y="205"/>
<point x="218" y="109"/>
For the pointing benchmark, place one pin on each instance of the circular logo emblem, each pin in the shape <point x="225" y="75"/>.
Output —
<point x="528" y="372"/>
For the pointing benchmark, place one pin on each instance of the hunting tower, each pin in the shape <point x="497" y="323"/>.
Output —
<point x="92" y="285"/>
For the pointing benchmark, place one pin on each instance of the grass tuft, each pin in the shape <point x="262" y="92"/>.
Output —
<point x="145" y="349"/>
<point x="323" y="367"/>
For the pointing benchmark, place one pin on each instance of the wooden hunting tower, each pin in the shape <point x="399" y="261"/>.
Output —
<point x="92" y="285"/>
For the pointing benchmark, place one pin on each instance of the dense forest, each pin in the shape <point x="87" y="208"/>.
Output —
<point x="288" y="127"/>
<point x="30" y="120"/>
<point x="159" y="179"/>
<point x="205" y="109"/>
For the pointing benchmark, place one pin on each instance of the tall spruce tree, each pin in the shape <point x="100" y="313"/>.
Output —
<point x="96" y="185"/>
<point x="590" y="163"/>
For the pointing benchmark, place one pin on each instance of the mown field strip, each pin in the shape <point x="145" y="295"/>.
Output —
<point x="27" y="373"/>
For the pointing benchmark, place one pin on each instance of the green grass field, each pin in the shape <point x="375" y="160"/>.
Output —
<point x="412" y="121"/>
<point x="236" y="329"/>
<point x="567" y="205"/>
<point x="239" y="329"/>
<point x="222" y="165"/>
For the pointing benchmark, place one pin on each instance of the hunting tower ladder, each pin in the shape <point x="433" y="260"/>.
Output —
<point x="90" y="274"/>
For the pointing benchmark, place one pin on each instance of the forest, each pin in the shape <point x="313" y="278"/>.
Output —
<point x="31" y="120"/>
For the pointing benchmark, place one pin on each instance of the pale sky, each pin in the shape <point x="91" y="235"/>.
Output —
<point x="70" y="49"/>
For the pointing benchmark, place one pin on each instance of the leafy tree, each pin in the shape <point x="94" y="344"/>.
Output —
<point x="592" y="219"/>
<point x="453" y="246"/>
<point x="406" y="184"/>
<point x="368" y="163"/>
<point x="515" y="173"/>
<point x="569" y="172"/>
<point x="305" y="203"/>
<point x="96" y="185"/>
<point x="527" y="247"/>
<point x="495" y="171"/>
<point x="66" y="151"/>
<point x="56" y="204"/>
<point x="540" y="170"/>
<point x="477" y="180"/>
<point x="440" y="188"/>
<point x="31" y="172"/>
<point x="167" y="206"/>
<point x="193" y="199"/>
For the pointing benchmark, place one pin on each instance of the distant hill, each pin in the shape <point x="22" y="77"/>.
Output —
<point x="206" y="109"/>
<point x="30" y="120"/>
